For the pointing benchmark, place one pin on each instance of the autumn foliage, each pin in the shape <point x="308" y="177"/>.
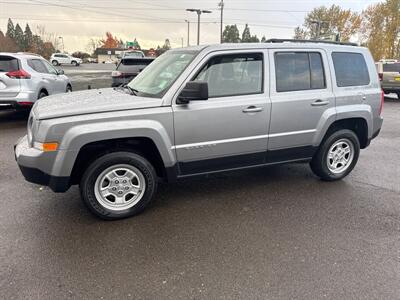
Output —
<point x="110" y="41"/>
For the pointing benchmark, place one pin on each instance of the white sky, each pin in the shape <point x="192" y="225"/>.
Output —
<point x="153" y="21"/>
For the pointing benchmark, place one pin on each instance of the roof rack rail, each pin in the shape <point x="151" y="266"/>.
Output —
<point x="310" y="41"/>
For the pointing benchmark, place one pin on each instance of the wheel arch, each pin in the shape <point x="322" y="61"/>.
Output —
<point x="143" y="146"/>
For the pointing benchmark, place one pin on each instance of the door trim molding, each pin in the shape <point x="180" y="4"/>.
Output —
<point x="234" y="140"/>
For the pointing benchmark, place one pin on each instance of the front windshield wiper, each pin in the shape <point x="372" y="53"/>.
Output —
<point x="131" y="90"/>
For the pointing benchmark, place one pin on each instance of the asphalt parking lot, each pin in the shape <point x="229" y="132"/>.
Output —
<point x="271" y="233"/>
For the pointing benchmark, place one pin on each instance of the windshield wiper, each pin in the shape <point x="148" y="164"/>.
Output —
<point x="132" y="90"/>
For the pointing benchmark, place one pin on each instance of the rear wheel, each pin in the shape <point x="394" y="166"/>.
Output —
<point x="69" y="88"/>
<point x="118" y="185"/>
<point x="337" y="156"/>
<point x="55" y="63"/>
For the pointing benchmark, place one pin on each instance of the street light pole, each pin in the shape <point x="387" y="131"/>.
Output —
<point x="188" y="32"/>
<point x="199" y="12"/>
<point x="62" y="39"/>
<point x="221" y="5"/>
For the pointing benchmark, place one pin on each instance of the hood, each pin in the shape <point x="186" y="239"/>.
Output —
<point x="88" y="102"/>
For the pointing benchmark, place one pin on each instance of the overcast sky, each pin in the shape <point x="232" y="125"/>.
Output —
<point x="152" y="21"/>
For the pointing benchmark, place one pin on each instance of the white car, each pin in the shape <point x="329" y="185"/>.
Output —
<point x="25" y="78"/>
<point x="64" y="59"/>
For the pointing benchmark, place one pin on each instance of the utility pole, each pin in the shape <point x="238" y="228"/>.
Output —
<point x="199" y="12"/>
<point x="221" y="5"/>
<point x="182" y="42"/>
<point x="62" y="39"/>
<point x="188" y="33"/>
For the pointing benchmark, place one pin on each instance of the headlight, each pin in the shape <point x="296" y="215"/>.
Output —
<point x="31" y="121"/>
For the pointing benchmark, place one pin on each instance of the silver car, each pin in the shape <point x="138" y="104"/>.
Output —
<point x="25" y="78"/>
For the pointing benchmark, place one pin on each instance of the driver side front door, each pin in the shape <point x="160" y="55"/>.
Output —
<point x="230" y="129"/>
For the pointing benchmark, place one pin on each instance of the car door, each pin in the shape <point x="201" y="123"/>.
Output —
<point x="230" y="129"/>
<point x="301" y="92"/>
<point x="60" y="85"/>
<point x="46" y="79"/>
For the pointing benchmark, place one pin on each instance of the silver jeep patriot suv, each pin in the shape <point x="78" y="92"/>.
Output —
<point x="202" y="110"/>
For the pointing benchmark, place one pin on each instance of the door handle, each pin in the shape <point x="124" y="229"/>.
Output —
<point x="320" y="102"/>
<point x="252" y="109"/>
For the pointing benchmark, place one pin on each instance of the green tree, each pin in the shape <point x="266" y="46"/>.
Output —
<point x="231" y="34"/>
<point x="27" y="38"/>
<point x="325" y="22"/>
<point x="19" y="37"/>
<point x="381" y="29"/>
<point x="10" y="29"/>
<point x="263" y="39"/>
<point x="246" y="35"/>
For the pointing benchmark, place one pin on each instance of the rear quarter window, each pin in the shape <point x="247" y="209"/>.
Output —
<point x="8" y="64"/>
<point x="350" y="69"/>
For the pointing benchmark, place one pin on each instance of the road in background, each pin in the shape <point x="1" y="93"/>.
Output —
<point x="270" y="233"/>
<point x="94" y="75"/>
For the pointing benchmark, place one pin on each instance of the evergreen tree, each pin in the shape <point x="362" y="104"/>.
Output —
<point x="27" y="38"/>
<point x="231" y="34"/>
<point x="263" y="39"/>
<point x="246" y="36"/>
<point x="10" y="29"/>
<point x="19" y="37"/>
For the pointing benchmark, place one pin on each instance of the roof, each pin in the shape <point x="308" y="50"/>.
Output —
<point x="274" y="45"/>
<point x="22" y="54"/>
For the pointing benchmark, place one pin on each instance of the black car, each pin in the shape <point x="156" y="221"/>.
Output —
<point x="128" y="68"/>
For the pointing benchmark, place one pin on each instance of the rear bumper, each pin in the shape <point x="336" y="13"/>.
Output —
<point x="118" y="81"/>
<point x="21" y="100"/>
<point x="29" y="160"/>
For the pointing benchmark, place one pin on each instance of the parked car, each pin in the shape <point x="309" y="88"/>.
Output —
<point x="389" y="74"/>
<point x="58" y="59"/>
<point x="25" y="78"/>
<point x="133" y="54"/>
<point x="127" y="69"/>
<point x="206" y="109"/>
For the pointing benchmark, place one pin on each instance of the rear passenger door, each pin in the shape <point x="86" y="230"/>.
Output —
<point x="48" y="80"/>
<point x="301" y="93"/>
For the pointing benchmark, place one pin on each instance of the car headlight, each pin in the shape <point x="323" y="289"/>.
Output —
<point x="31" y="121"/>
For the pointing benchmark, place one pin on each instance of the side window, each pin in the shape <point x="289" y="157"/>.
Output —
<point x="37" y="65"/>
<point x="299" y="71"/>
<point x="49" y="67"/>
<point x="233" y="75"/>
<point x="350" y="69"/>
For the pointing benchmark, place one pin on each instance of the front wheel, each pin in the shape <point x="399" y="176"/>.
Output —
<point x="74" y="63"/>
<point x="55" y="63"/>
<point x="337" y="156"/>
<point x="118" y="185"/>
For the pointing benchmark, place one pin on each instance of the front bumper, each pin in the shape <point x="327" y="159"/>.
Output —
<point x="29" y="160"/>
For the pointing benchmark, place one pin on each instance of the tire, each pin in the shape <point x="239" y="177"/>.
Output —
<point x="74" y="63"/>
<point x="55" y="63"/>
<point x="69" y="89"/>
<point x="119" y="167"/>
<point x="42" y="95"/>
<point x="335" y="146"/>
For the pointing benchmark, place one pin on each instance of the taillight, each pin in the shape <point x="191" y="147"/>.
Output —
<point x="116" y="74"/>
<point x="380" y="76"/>
<point x="20" y="74"/>
<point x="382" y="102"/>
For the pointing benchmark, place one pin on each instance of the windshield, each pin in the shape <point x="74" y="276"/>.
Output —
<point x="156" y="79"/>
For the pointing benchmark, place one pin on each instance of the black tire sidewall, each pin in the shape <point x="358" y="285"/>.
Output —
<point x="87" y="184"/>
<point x="56" y="63"/>
<point x="320" y="160"/>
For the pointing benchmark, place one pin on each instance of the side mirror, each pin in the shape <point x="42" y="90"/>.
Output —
<point x="60" y="72"/>
<point x="193" y="91"/>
